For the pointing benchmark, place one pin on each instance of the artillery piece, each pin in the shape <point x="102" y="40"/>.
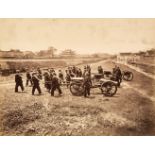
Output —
<point x="107" y="87"/>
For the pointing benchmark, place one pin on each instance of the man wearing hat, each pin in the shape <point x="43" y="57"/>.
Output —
<point x="68" y="78"/>
<point x="61" y="76"/>
<point x="35" y="81"/>
<point x="87" y="84"/>
<point x="100" y="70"/>
<point x="118" y="76"/>
<point x="47" y="80"/>
<point x="55" y="85"/>
<point x="28" y="78"/>
<point x="19" y="81"/>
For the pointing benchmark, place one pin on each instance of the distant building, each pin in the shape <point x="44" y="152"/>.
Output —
<point x="49" y="53"/>
<point x="140" y="57"/>
<point x="68" y="54"/>
<point x="127" y="57"/>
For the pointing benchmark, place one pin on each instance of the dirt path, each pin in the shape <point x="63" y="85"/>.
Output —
<point x="138" y="70"/>
<point x="142" y="92"/>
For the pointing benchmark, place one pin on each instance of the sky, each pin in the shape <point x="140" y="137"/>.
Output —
<point x="82" y="35"/>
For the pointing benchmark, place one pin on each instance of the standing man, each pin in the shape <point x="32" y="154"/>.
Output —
<point x="51" y="74"/>
<point x="28" y="78"/>
<point x="118" y="76"/>
<point x="68" y="78"/>
<point x="55" y="85"/>
<point x="39" y="73"/>
<point x="47" y="80"/>
<point x="19" y="81"/>
<point x="114" y="70"/>
<point x="100" y="70"/>
<point x="36" y="85"/>
<point x="80" y="72"/>
<point x="87" y="84"/>
<point x="61" y="76"/>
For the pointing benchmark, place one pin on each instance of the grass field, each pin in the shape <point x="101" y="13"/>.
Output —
<point x="127" y="113"/>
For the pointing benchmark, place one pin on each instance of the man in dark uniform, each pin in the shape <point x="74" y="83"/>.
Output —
<point x="87" y="84"/>
<point x="74" y="70"/>
<point x="39" y="73"/>
<point x="19" y="81"/>
<point x="68" y="78"/>
<point x="61" y="76"/>
<point x="55" y="85"/>
<point x="100" y="70"/>
<point x="114" y="69"/>
<point x="51" y="73"/>
<point x="28" y="78"/>
<point x="89" y="70"/>
<point x="36" y="85"/>
<point x="47" y="80"/>
<point x="80" y="72"/>
<point x="118" y="76"/>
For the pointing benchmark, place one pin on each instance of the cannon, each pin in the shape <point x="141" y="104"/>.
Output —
<point x="126" y="75"/>
<point x="107" y="87"/>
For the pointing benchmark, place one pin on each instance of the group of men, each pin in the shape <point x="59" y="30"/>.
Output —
<point x="53" y="81"/>
<point x="33" y="79"/>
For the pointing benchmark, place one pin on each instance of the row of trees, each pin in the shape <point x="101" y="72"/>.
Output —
<point x="51" y="52"/>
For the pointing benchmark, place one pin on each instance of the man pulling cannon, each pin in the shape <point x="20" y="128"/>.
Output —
<point x="36" y="85"/>
<point x="18" y="81"/>
<point x="55" y="85"/>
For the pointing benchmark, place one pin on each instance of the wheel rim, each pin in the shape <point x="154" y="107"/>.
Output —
<point x="128" y="77"/>
<point x="109" y="89"/>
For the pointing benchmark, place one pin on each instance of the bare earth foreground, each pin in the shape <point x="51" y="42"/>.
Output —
<point x="130" y="112"/>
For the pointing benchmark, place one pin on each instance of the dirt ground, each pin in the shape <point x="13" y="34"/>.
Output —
<point x="130" y="112"/>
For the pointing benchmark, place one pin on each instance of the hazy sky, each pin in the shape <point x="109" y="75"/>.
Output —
<point x="82" y="35"/>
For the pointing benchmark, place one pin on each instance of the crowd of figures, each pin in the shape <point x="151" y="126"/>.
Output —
<point x="53" y="80"/>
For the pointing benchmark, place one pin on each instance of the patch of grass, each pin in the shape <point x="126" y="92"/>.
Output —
<point x="16" y="117"/>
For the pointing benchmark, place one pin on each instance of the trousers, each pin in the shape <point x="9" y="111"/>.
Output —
<point x="19" y="85"/>
<point x="54" y="88"/>
<point x="36" y="87"/>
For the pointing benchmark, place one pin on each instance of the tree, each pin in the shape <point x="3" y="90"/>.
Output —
<point x="29" y="55"/>
<point x="151" y="52"/>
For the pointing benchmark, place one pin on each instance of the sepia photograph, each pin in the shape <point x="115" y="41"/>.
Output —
<point x="77" y="76"/>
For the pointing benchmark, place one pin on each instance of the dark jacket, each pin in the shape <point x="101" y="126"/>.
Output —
<point x="68" y="78"/>
<point x="18" y="79"/>
<point x="35" y="81"/>
<point x="87" y="82"/>
<point x="55" y="81"/>
<point x="118" y="73"/>
<point x="61" y="76"/>
<point x="28" y="75"/>
<point x="47" y="78"/>
<point x="100" y="70"/>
